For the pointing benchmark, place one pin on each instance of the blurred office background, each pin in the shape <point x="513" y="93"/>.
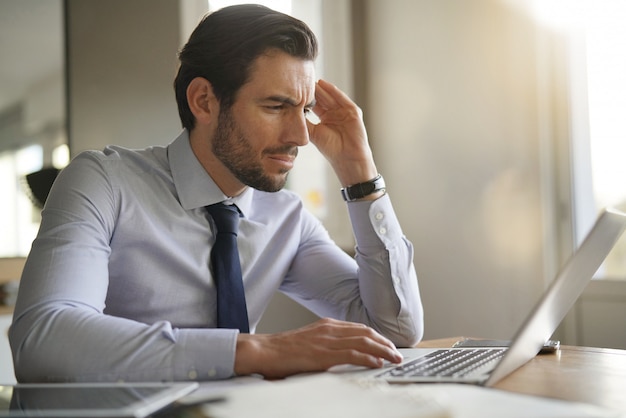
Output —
<point x="498" y="125"/>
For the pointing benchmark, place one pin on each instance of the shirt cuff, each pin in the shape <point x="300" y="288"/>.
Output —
<point x="205" y="354"/>
<point x="375" y="223"/>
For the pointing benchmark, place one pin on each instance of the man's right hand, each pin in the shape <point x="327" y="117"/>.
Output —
<point x="316" y="347"/>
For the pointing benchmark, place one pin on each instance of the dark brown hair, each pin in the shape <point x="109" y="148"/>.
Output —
<point x="225" y="44"/>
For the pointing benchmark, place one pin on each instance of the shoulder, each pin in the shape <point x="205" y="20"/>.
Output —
<point x="284" y="207"/>
<point x="114" y="161"/>
<point x="117" y="154"/>
<point x="115" y="168"/>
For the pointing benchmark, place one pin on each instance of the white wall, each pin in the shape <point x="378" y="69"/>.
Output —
<point x="451" y="107"/>
<point x="122" y="62"/>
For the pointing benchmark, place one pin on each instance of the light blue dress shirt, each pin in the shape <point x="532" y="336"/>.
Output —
<point x="118" y="286"/>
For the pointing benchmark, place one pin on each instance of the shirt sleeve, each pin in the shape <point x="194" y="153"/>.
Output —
<point x="378" y="287"/>
<point x="60" y="331"/>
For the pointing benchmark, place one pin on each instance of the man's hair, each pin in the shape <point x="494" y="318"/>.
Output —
<point x="226" y="43"/>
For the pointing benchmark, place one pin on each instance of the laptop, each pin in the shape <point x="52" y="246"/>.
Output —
<point x="487" y="365"/>
<point x="137" y="400"/>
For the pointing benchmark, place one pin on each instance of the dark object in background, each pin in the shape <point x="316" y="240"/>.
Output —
<point x="39" y="184"/>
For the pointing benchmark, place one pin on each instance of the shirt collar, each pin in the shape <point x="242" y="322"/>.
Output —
<point x="193" y="184"/>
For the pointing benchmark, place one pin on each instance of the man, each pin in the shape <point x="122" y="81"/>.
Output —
<point x="120" y="283"/>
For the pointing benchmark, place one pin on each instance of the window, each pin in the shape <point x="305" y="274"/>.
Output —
<point x="32" y="112"/>
<point x="598" y="41"/>
<point x="19" y="218"/>
<point x="606" y="69"/>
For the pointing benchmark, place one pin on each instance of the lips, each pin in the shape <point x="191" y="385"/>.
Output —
<point x="284" y="161"/>
<point x="284" y="156"/>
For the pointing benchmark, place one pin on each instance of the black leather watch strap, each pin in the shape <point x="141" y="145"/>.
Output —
<point x="360" y="190"/>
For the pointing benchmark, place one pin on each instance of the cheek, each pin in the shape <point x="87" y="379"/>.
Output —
<point x="263" y="131"/>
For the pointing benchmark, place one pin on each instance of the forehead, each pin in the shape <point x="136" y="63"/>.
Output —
<point x="278" y="73"/>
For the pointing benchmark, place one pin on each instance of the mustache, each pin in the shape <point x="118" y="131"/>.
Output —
<point x="285" y="149"/>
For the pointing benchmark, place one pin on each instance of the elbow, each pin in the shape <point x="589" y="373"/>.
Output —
<point x="33" y="363"/>
<point x="21" y="367"/>
<point x="409" y="328"/>
<point x="35" y="360"/>
<point x="25" y="361"/>
<point x="404" y="332"/>
<point x="410" y="335"/>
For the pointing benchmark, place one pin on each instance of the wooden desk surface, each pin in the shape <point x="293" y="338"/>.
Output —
<point x="584" y="374"/>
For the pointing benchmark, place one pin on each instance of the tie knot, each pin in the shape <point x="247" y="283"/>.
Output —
<point x="226" y="217"/>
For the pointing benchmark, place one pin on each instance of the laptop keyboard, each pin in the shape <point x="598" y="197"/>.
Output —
<point x="446" y="363"/>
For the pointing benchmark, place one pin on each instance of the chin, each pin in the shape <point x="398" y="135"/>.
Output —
<point x="270" y="184"/>
<point x="279" y="183"/>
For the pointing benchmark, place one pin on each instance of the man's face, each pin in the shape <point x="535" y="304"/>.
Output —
<point x="257" y="139"/>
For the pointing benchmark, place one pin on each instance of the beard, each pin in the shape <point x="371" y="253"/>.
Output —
<point x="235" y="151"/>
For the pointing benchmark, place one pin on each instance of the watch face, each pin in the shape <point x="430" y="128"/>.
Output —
<point x="358" y="190"/>
<point x="367" y="188"/>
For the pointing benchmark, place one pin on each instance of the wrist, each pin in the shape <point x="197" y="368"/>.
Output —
<point x="246" y="354"/>
<point x="353" y="171"/>
<point x="369" y="190"/>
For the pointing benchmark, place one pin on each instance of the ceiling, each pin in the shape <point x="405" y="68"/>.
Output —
<point x="31" y="46"/>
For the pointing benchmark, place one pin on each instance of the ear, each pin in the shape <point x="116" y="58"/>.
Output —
<point x="202" y="102"/>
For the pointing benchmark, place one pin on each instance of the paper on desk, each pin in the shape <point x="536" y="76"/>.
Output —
<point x="211" y="391"/>
<point x="469" y="401"/>
<point x="332" y="396"/>
<point x="327" y="396"/>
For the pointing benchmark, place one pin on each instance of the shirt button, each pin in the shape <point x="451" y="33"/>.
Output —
<point x="382" y="231"/>
<point x="212" y="372"/>
<point x="193" y="375"/>
<point x="379" y="216"/>
<point x="396" y="279"/>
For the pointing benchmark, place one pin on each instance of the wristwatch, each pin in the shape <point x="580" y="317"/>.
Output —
<point x="360" y="190"/>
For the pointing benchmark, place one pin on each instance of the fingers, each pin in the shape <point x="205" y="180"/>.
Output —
<point x="347" y="333"/>
<point x="317" y="347"/>
<point x="323" y="100"/>
<point x="340" y="129"/>
<point x="341" y="135"/>
<point x="357" y="343"/>
<point x="330" y="96"/>
<point x="351" y="343"/>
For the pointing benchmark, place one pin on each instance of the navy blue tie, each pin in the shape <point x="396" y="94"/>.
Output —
<point x="231" y="300"/>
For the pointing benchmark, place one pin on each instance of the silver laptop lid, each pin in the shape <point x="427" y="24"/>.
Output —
<point x="562" y="293"/>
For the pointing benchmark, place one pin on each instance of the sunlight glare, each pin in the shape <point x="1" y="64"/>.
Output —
<point x="601" y="22"/>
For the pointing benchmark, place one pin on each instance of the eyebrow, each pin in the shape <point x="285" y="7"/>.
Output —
<point x="289" y="101"/>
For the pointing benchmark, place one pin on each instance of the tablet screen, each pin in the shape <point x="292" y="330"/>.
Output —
<point x="93" y="400"/>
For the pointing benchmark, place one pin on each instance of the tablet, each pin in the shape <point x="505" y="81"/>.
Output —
<point x="68" y="400"/>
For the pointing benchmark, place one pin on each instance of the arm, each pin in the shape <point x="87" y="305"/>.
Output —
<point x="380" y="291"/>
<point x="60" y="331"/>
<point x="389" y="297"/>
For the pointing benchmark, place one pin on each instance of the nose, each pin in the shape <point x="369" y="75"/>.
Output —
<point x="296" y="130"/>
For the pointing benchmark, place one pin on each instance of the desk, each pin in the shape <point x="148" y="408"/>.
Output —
<point x="592" y="375"/>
